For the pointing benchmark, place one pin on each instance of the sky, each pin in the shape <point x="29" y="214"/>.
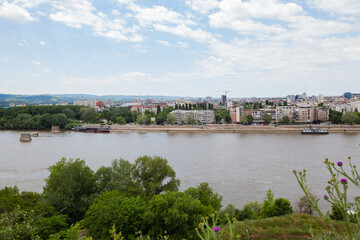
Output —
<point x="190" y="48"/>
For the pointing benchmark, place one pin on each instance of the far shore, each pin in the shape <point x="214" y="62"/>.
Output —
<point x="232" y="128"/>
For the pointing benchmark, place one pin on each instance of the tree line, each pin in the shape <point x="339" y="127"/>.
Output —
<point x="139" y="199"/>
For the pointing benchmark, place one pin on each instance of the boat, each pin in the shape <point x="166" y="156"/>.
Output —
<point x="314" y="131"/>
<point x="92" y="129"/>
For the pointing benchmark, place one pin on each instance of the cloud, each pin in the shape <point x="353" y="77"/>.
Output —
<point x="36" y="62"/>
<point x="177" y="44"/>
<point x="42" y="43"/>
<point x="79" y="13"/>
<point x="338" y="7"/>
<point x="157" y="14"/>
<point x="13" y="12"/>
<point x="186" y="32"/>
<point x="23" y="43"/>
<point x="202" y="6"/>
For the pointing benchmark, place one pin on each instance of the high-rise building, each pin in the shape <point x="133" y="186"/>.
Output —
<point x="223" y="99"/>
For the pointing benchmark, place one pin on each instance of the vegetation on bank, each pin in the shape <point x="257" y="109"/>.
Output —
<point x="141" y="200"/>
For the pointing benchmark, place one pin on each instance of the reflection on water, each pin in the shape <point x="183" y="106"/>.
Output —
<point x="241" y="167"/>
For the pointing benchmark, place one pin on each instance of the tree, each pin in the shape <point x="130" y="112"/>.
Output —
<point x="113" y="208"/>
<point x="117" y="177"/>
<point x="350" y="118"/>
<point x="161" y="117"/>
<point x="120" y="120"/>
<point x="141" y="119"/>
<point x="170" y="119"/>
<point x="158" y="109"/>
<point x="249" y="119"/>
<point x="267" y="118"/>
<point x="70" y="188"/>
<point x="190" y="119"/>
<point x="285" y="120"/>
<point x="153" y="175"/>
<point x="175" y="213"/>
<point x="243" y="119"/>
<point x="206" y="195"/>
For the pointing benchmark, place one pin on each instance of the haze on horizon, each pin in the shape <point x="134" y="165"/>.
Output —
<point x="180" y="48"/>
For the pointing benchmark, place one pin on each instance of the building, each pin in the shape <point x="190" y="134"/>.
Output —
<point x="202" y="116"/>
<point x="223" y="99"/>
<point x="291" y="98"/>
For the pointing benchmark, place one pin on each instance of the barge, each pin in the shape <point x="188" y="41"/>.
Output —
<point x="92" y="129"/>
<point x="314" y="131"/>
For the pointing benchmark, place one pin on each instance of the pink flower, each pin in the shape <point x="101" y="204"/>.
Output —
<point x="216" y="229"/>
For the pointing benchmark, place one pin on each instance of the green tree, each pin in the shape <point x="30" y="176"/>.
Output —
<point x="243" y="119"/>
<point x="285" y="120"/>
<point x="206" y="195"/>
<point x="190" y="120"/>
<point x="86" y="113"/>
<point x="154" y="176"/>
<point x="120" y="120"/>
<point x="350" y="118"/>
<point x="158" y="109"/>
<point x="113" y="208"/>
<point x="249" y="119"/>
<point x="335" y="116"/>
<point x="117" y="177"/>
<point x="70" y="188"/>
<point x="141" y="119"/>
<point x="161" y="117"/>
<point x="267" y="118"/>
<point x="170" y="119"/>
<point x="174" y="213"/>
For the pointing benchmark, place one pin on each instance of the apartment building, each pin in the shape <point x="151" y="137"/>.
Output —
<point x="202" y="116"/>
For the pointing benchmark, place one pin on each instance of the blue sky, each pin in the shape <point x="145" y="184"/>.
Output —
<point x="182" y="48"/>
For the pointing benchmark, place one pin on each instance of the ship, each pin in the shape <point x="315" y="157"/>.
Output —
<point x="314" y="131"/>
<point x="92" y="129"/>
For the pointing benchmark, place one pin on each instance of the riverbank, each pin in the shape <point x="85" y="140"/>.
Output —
<point x="233" y="128"/>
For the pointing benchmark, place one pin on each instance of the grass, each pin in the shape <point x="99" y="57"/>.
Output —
<point x="292" y="226"/>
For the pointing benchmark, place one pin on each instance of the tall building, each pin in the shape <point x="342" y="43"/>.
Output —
<point x="223" y="99"/>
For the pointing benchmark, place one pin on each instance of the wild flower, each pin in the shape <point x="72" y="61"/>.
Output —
<point x="339" y="164"/>
<point x="216" y="229"/>
<point x="343" y="181"/>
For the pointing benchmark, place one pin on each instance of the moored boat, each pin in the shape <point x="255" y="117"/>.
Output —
<point x="314" y="131"/>
<point x="92" y="129"/>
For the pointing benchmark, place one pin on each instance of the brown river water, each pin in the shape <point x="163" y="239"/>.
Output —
<point x="240" y="167"/>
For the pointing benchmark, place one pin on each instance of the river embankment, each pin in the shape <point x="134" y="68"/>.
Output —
<point x="234" y="128"/>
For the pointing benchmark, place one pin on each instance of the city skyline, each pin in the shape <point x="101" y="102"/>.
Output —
<point x="190" y="48"/>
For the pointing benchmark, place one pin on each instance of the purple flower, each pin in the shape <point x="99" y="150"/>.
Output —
<point x="326" y="197"/>
<point x="216" y="229"/>
<point x="343" y="181"/>
<point x="339" y="164"/>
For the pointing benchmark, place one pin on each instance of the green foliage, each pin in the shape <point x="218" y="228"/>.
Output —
<point x="161" y="117"/>
<point x="206" y="195"/>
<point x="250" y="210"/>
<point x="150" y="174"/>
<point x="75" y="232"/>
<point x="304" y="205"/>
<point x="190" y="120"/>
<point x="271" y="208"/>
<point x="170" y="119"/>
<point x="335" y="117"/>
<point x="70" y="188"/>
<point x="117" y="177"/>
<point x="337" y="197"/>
<point x="141" y="119"/>
<point x="285" y="120"/>
<point x="267" y="118"/>
<point x="113" y="208"/>
<point x="249" y="119"/>
<point x="177" y="213"/>
<point x="120" y="120"/>
<point x="17" y="224"/>
<point x="350" y="118"/>
<point x="222" y="114"/>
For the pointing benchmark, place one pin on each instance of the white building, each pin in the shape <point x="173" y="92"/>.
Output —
<point x="202" y="116"/>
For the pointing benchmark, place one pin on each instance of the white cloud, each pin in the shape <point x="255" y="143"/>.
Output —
<point x="46" y="70"/>
<point x="14" y="13"/>
<point x="186" y="32"/>
<point x="157" y="14"/>
<point x="347" y="7"/>
<point x="177" y="44"/>
<point x="77" y="13"/>
<point x="23" y="43"/>
<point x="36" y="62"/>
<point x="202" y="6"/>
<point x="42" y="43"/>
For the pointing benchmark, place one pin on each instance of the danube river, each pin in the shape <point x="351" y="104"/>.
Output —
<point x="241" y="167"/>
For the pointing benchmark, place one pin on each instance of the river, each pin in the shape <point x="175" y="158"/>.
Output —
<point x="240" y="167"/>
